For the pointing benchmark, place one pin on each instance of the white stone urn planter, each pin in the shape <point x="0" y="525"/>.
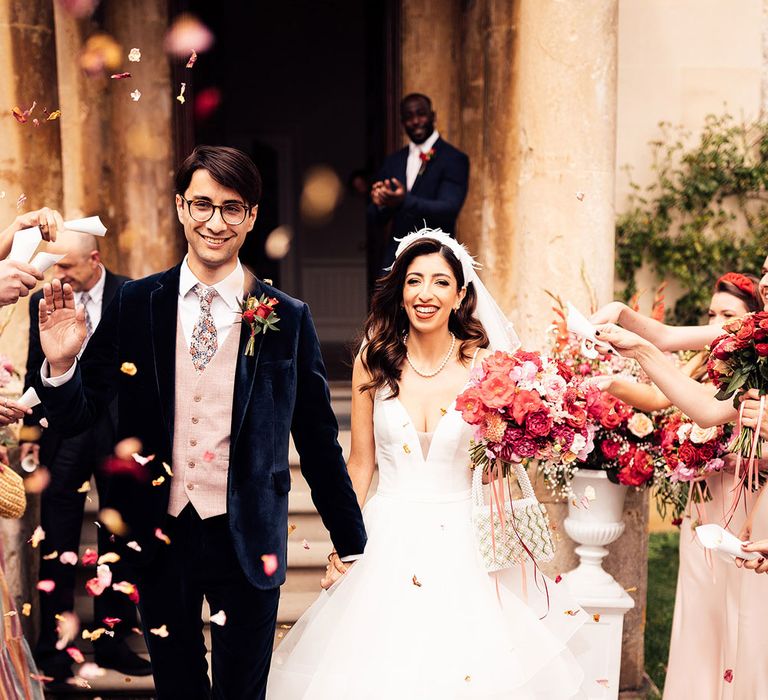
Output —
<point x="594" y="521"/>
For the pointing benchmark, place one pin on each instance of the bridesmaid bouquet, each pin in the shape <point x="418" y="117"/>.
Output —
<point x="738" y="362"/>
<point x="525" y="406"/>
<point x="692" y="454"/>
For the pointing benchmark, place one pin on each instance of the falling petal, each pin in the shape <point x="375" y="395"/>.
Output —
<point x="26" y="609"/>
<point x="159" y="481"/>
<point x="46" y="585"/>
<point x="36" y="121"/>
<point x="109" y="558"/>
<point x="278" y="243"/>
<point x="10" y="613"/>
<point x="101" y="52"/>
<point x="180" y="97"/>
<point x="37" y="536"/>
<point x="589" y="493"/>
<point x="305" y="544"/>
<point x="94" y="587"/>
<point x="111" y="621"/>
<point x="291" y="528"/>
<point x="134" y="55"/>
<point x="113" y="521"/>
<point x="91" y="670"/>
<point x="192" y="59"/>
<point x="467" y="678"/>
<point x="79" y="8"/>
<point x="67" y="627"/>
<point x="90" y="557"/>
<point x="406" y="449"/>
<point x="142" y="460"/>
<point x="728" y="675"/>
<point x="162" y="536"/>
<point x="161" y="631"/>
<point x="631" y="589"/>
<point x="602" y="681"/>
<point x="207" y="102"/>
<point x="19" y="116"/>
<point x="21" y="200"/>
<point x="580" y="196"/>
<point x="208" y="456"/>
<point x="53" y="116"/>
<point x="51" y="556"/>
<point x="136" y="95"/>
<point x="85" y="487"/>
<point x="596" y="617"/>
<point x="187" y="34"/>
<point x="134" y="545"/>
<point x="270" y="563"/>
<point x="43" y="421"/>
<point x="68" y="558"/>
<point x="220" y="618"/>
<point x="572" y="613"/>
<point x="128" y="588"/>
<point x="558" y="578"/>
<point x="416" y="581"/>
<point x="128" y="368"/>
<point x="167" y="468"/>
<point x="76" y="654"/>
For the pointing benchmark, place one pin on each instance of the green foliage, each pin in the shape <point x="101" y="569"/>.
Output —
<point x="706" y="213"/>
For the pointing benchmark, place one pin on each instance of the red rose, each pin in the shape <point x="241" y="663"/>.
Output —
<point x="763" y="323"/>
<point x="577" y="417"/>
<point x="761" y="349"/>
<point x="689" y="455"/>
<point x="625" y="458"/>
<point x="564" y="371"/>
<point x="707" y="451"/>
<point x="747" y="328"/>
<point x="610" y="449"/>
<point x="611" y="419"/>
<point x="525" y="447"/>
<point x="249" y="315"/>
<point x="263" y="311"/>
<point x="538" y="424"/>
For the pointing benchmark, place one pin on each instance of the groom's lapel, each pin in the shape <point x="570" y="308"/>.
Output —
<point x="245" y="372"/>
<point x="164" y="303"/>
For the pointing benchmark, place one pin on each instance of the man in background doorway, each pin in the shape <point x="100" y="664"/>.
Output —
<point x="424" y="183"/>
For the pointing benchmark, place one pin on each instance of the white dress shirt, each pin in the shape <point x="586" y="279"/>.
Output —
<point x="96" y="293"/>
<point x="413" y="164"/>
<point x="224" y="309"/>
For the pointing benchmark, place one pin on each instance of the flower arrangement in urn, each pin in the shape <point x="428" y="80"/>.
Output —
<point x="524" y="406"/>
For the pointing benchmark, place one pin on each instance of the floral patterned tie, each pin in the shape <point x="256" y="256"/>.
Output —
<point x="84" y="299"/>
<point x="204" y="341"/>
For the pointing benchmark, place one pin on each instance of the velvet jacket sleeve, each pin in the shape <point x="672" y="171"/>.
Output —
<point x="315" y="434"/>
<point x="35" y="357"/>
<point x="75" y="405"/>
<point x="451" y="193"/>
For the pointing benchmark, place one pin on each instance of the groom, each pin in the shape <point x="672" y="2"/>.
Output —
<point x="206" y="516"/>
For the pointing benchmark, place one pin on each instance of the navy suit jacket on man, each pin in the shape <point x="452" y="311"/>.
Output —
<point x="281" y="389"/>
<point x="436" y="196"/>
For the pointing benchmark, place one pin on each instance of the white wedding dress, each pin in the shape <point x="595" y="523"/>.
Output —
<point x="418" y="617"/>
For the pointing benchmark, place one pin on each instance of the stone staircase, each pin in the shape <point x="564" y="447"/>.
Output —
<point x="308" y="548"/>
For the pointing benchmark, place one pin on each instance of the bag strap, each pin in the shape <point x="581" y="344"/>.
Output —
<point x="525" y="483"/>
<point x="477" y="486"/>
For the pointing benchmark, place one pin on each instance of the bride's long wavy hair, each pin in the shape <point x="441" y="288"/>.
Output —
<point x="387" y="323"/>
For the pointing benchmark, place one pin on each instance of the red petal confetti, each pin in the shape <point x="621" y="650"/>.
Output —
<point x="208" y="456"/>
<point x="558" y="578"/>
<point x="94" y="587"/>
<point x="192" y="59"/>
<point x="76" y="655"/>
<point x="120" y="76"/>
<point x="572" y="613"/>
<point x="46" y="585"/>
<point x="90" y="557"/>
<point x="596" y="617"/>
<point x="111" y="621"/>
<point x="305" y="544"/>
<point x="128" y="588"/>
<point x="728" y="675"/>
<point x="416" y="581"/>
<point x="162" y="536"/>
<point x="270" y="563"/>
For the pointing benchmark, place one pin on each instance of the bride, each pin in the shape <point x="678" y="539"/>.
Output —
<point x="417" y="616"/>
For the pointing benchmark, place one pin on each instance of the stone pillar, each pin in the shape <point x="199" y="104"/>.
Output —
<point x="429" y="58"/>
<point x="139" y="161"/>
<point x="30" y="164"/>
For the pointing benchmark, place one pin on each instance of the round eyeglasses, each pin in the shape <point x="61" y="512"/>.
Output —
<point x="202" y="210"/>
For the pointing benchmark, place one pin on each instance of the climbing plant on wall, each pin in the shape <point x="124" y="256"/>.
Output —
<point x="706" y="212"/>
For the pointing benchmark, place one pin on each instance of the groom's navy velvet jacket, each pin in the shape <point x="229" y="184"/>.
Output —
<point x="281" y="389"/>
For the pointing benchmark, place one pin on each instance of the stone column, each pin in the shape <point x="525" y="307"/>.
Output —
<point x="429" y="58"/>
<point x="139" y="161"/>
<point x="30" y="164"/>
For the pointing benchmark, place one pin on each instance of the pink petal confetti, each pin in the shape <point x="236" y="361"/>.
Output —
<point x="220" y="618"/>
<point x="136" y="95"/>
<point x="40" y="678"/>
<point x="134" y="55"/>
<point x="580" y="196"/>
<point x="76" y="654"/>
<point x="90" y="557"/>
<point x="180" y="97"/>
<point x="37" y="537"/>
<point x="162" y="536"/>
<point x="208" y="456"/>
<point x="192" y="59"/>
<point x="111" y="621"/>
<point x="187" y="34"/>
<point x="161" y="631"/>
<point x="142" y="460"/>
<point x="270" y="563"/>
<point x="305" y="544"/>
<point x="558" y="578"/>
<point x="207" y="102"/>
<point x="43" y="421"/>
<point x="104" y="574"/>
<point x="94" y="587"/>
<point x="134" y="545"/>
<point x="68" y="558"/>
<point x="36" y="121"/>
<point x="728" y="675"/>
<point x="46" y="586"/>
<point x="128" y="588"/>
<point x="602" y="681"/>
<point x="21" y="200"/>
<point x="120" y="76"/>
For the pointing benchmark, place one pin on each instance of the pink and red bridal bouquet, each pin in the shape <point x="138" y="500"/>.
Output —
<point x="738" y="361"/>
<point x="692" y="454"/>
<point x="627" y="447"/>
<point x="525" y="406"/>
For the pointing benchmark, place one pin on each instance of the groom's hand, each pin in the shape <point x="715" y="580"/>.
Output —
<point x="62" y="326"/>
<point x="334" y="571"/>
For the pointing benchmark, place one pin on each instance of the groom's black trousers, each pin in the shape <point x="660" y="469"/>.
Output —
<point x="201" y="561"/>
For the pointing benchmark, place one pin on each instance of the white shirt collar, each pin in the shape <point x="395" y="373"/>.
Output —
<point x="426" y="146"/>
<point x="97" y="291"/>
<point x="230" y="289"/>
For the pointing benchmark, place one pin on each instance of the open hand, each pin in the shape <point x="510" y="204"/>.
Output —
<point x="62" y="326"/>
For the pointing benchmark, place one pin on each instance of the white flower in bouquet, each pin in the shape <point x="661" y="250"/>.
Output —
<point x="699" y="435"/>
<point x="682" y="432"/>
<point x="640" y="425"/>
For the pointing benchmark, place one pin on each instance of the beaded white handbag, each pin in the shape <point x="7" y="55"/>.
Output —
<point x="526" y="532"/>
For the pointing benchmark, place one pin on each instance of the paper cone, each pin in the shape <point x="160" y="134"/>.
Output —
<point x="25" y="244"/>
<point x="29" y="398"/>
<point x="42" y="261"/>
<point x="90" y="224"/>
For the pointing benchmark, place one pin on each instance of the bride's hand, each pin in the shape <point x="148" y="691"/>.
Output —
<point x="626" y="343"/>
<point x="610" y="313"/>
<point x="334" y="571"/>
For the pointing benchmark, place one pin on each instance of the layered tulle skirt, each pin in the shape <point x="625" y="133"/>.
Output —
<point x="418" y="617"/>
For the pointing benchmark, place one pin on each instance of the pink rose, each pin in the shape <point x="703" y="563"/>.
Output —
<point x="471" y="406"/>
<point x="538" y="424"/>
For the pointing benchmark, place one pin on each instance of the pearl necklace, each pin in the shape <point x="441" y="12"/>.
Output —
<point x="429" y="375"/>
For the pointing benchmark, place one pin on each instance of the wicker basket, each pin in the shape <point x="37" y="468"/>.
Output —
<point x="13" y="498"/>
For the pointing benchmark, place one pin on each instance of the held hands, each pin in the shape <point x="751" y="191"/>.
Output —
<point x="48" y="220"/>
<point x="627" y="343"/>
<point x="334" y="571"/>
<point x="389" y="193"/>
<point x="62" y="326"/>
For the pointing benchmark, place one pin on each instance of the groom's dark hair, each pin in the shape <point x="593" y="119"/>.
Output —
<point x="228" y="166"/>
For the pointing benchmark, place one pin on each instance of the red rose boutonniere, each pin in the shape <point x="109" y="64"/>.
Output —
<point x="425" y="158"/>
<point x="260" y="316"/>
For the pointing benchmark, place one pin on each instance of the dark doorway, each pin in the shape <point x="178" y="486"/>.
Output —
<point x="301" y="84"/>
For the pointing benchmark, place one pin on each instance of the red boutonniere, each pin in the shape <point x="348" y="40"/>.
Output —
<point x="425" y="158"/>
<point x="260" y="316"/>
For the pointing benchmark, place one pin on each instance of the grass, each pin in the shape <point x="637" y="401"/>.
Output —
<point x="662" y="581"/>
